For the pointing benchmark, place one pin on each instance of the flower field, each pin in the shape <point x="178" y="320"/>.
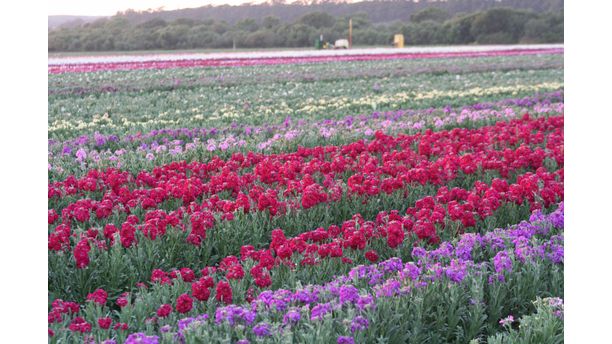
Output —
<point x="354" y="197"/>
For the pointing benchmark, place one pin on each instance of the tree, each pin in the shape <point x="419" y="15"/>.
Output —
<point x="317" y="20"/>
<point x="249" y="25"/>
<point x="271" y="22"/>
<point x="501" y="23"/>
<point x="431" y="13"/>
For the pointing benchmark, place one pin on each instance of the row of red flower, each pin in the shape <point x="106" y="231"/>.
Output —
<point x="376" y="167"/>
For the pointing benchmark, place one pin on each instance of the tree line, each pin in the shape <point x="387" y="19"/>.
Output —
<point x="428" y="26"/>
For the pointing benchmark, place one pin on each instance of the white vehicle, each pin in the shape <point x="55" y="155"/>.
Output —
<point x="341" y="44"/>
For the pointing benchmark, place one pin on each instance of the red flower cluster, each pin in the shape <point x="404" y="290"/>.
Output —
<point x="79" y="324"/>
<point x="224" y="292"/>
<point x="184" y="303"/>
<point x="164" y="310"/>
<point x="105" y="323"/>
<point x="99" y="296"/>
<point x="60" y="307"/>
<point x="372" y="256"/>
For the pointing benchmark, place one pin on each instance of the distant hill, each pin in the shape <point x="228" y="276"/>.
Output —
<point x="298" y="25"/>
<point x="378" y="11"/>
<point x="70" y="21"/>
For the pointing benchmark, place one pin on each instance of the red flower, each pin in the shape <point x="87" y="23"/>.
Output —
<point x="187" y="274"/>
<point x="209" y="270"/>
<point x="184" y="303"/>
<point x="52" y="216"/>
<point x="120" y="326"/>
<point x="200" y="290"/>
<point x="122" y="302"/>
<point x="224" y="292"/>
<point x="372" y="256"/>
<point x="395" y="234"/>
<point x="263" y="281"/>
<point x="81" y="254"/>
<point x="79" y="324"/>
<point x="81" y="214"/>
<point x="207" y="281"/>
<point x="105" y="323"/>
<point x="235" y="272"/>
<point x="99" y="296"/>
<point x="164" y="310"/>
<point x="284" y="251"/>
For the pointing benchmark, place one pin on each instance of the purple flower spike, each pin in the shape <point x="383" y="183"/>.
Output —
<point x="262" y="329"/>
<point x="346" y="340"/>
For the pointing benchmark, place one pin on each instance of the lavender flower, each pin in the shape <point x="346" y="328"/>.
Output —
<point x="139" y="337"/>
<point x="348" y="293"/>
<point x="365" y="302"/>
<point x="502" y="262"/>
<point x="456" y="271"/>
<point x="292" y="316"/>
<point x="346" y="340"/>
<point x="319" y="311"/>
<point x="359" y="323"/>
<point x="262" y="329"/>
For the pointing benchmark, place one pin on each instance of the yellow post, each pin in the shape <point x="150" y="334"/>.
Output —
<point x="350" y="33"/>
<point x="398" y="40"/>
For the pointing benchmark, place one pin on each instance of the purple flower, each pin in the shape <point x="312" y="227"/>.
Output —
<point x="183" y="323"/>
<point x="557" y="254"/>
<point x="456" y="271"/>
<point x="348" y="293"/>
<point x="262" y="329"/>
<point x="243" y="341"/>
<point x="306" y="296"/>
<point x="411" y="270"/>
<point x="142" y="338"/>
<point x="100" y="139"/>
<point x="389" y="288"/>
<point x="365" y="301"/>
<point x="359" y="324"/>
<point x="346" y="340"/>
<point x="319" y="311"/>
<point x="557" y="218"/>
<point x="536" y="216"/>
<point x="418" y="252"/>
<point x="465" y="246"/>
<point x="233" y="313"/>
<point x="293" y="316"/>
<point x="375" y="277"/>
<point x="502" y="262"/>
<point x="81" y="154"/>
<point x="391" y="265"/>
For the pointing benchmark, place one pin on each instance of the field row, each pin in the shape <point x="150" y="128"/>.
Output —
<point x="81" y="65"/>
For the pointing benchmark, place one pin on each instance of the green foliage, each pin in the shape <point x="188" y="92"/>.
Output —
<point x="546" y="29"/>
<point x="431" y="13"/>
<point x="317" y="20"/>
<point x="543" y="327"/>
<point x="500" y="25"/>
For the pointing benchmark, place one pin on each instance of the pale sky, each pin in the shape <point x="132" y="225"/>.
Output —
<point x="110" y="7"/>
